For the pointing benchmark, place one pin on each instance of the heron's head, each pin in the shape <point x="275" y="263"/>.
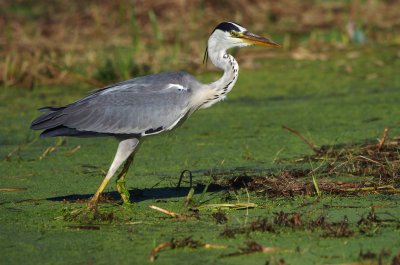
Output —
<point x="229" y="35"/>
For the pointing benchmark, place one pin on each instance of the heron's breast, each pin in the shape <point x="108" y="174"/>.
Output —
<point x="205" y="98"/>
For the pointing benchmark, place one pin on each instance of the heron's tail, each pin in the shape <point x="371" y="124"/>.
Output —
<point x="50" y="119"/>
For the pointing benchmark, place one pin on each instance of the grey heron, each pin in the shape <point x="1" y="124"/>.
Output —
<point x="147" y="105"/>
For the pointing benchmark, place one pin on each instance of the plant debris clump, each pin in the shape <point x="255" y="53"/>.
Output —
<point x="220" y="217"/>
<point x="379" y="162"/>
<point x="258" y="225"/>
<point x="288" y="220"/>
<point x="342" y="228"/>
<point x="338" y="229"/>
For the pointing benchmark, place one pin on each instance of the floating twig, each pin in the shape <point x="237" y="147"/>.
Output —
<point x="237" y="206"/>
<point x="172" y="214"/>
<point x="214" y="246"/>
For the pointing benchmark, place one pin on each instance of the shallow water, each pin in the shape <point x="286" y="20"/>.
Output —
<point x="243" y="134"/>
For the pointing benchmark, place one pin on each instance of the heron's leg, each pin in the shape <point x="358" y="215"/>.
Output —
<point x="125" y="149"/>
<point x="121" y="185"/>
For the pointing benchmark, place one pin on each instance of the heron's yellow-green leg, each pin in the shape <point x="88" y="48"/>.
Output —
<point x="95" y="199"/>
<point x="124" y="153"/>
<point x="121" y="184"/>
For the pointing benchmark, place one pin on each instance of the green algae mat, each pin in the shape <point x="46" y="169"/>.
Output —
<point x="299" y="166"/>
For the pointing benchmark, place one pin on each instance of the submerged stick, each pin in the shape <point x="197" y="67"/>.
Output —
<point x="12" y="189"/>
<point x="309" y="143"/>
<point x="253" y="247"/>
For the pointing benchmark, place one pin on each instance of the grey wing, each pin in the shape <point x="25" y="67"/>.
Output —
<point x="141" y="106"/>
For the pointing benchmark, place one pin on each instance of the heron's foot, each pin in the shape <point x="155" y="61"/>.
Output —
<point x="83" y="215"/>
<point x="92" y="205"/>
<point x="89" y="214"/>
<point x="123" y="192"/>
<point x="86" y="214"/>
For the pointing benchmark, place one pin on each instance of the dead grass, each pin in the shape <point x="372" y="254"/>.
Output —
<point x="373" y="168"/>
<point x="186" y="242"/>
<point x="56" y="42"/>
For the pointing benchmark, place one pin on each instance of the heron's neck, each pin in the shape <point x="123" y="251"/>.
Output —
<point x="224" y="85"/>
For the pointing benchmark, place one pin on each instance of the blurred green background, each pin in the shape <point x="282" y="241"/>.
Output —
<point x="97" y="42"/>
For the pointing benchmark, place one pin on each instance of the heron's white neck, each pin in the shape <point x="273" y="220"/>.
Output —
<point x="218" y="89"/>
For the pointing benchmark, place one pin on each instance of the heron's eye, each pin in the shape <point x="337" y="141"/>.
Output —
<point x="234" y="34"/>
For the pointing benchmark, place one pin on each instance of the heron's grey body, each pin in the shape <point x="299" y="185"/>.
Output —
<point x="135" y="108"/>
<point x="147" y="105"/>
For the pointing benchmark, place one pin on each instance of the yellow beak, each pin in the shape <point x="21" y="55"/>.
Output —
<point x="258" y="40"/>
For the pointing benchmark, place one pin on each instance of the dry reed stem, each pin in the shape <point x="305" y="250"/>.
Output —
<point x="309" y="143"/>
<point x="383" y="138"/>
